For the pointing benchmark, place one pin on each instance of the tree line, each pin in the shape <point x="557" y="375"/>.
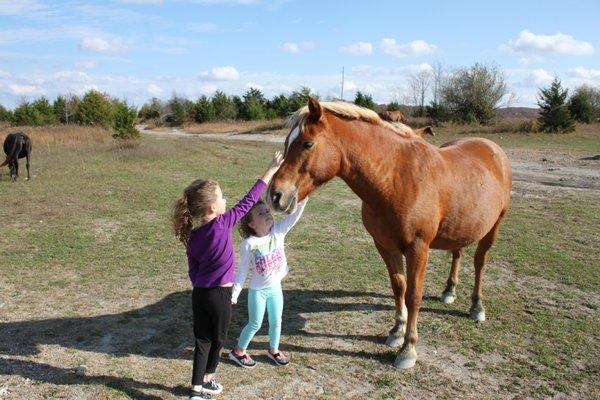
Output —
<point x="465" y="95"/>
<point x="93" y="109"/>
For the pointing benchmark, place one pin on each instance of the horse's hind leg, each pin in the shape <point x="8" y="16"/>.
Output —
<point x="477" y="311"/>
<point x="395" y="266"/>
<point x="27" y="161"/>
<point x="449" y="294"/>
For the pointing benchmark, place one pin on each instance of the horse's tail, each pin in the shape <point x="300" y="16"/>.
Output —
<point x="12" y="152"/>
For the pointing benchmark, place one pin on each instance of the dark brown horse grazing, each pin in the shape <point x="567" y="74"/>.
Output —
<point x="16" y="145"/>
<point x="415" y="197"/>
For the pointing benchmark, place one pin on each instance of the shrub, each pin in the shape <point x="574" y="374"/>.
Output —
<point x="124" y="121"/>
<point x="6" y="116"/>
<point x="181" y="110"/>
<point x="554" y="114"/>
<point x="154" y="110"/>
<point x="393" y="106"/>
<point x="473" y="94"/>
<point x="581" y="108"/>
<point x="95" y="109"/>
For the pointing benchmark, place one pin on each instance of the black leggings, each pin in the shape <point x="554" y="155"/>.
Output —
<point x="212" y="314"/>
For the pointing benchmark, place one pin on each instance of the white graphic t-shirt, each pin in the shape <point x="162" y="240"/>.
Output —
<point x="265" y="255"/>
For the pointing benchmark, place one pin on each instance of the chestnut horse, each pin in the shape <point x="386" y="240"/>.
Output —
<point x="415" y="197"/>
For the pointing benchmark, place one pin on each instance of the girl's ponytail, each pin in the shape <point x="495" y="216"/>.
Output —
<point x="193" y="204"/>
<point x="182" y="219"/>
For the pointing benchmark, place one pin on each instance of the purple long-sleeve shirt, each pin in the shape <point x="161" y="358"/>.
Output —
<point x="210" y="254"/>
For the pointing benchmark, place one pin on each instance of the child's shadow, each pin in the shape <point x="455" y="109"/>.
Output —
<point x="161" y="330"/>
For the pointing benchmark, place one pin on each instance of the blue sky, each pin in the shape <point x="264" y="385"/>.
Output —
<point x="137" y="49"/>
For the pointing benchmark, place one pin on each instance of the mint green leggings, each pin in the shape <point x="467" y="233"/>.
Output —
<point x="270" y="298"/>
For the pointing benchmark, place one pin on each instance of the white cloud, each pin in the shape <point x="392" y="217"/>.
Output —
<point x="22" y="90"/>
<point x="251" y="85"/>
<point x="358" y="48"/>
<point x="5" y="74"/>
<point x="72" y="77"/>
<point x="226" y="73"/>
<point x="559" y="43"/>
<point x="537" y="78"/>
<point x="532" y="59"/>
<point x="414" y="48"/>
<point x="295" y="48"/>
<point x="115" y="45"/>
<point x="585" y="73"/>
<point x="153" y="90"/>
<point x="208" y="88"/>
<point x="86" y="64"/>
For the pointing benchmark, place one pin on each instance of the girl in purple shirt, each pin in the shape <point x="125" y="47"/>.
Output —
<point x="203" y="225"/>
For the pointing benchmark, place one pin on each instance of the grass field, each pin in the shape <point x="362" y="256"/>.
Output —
<point x="95" y="299"/>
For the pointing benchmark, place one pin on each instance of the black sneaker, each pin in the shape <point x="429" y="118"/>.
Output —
<point x="212" y="387"/>
<point x="244" y="361"/>
<point x="199" y="396"/>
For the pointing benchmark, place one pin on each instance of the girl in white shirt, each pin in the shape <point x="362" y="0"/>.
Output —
<point x="262" y="252"/>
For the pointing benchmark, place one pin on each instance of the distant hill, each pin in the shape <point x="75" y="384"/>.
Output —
<point x="518" y="112"/>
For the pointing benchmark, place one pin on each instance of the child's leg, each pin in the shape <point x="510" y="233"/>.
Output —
<point x="202" y="334"/>
<point x="256" y="312"/>
<point x="220" y="315"/>
<point x="275" y="311"/>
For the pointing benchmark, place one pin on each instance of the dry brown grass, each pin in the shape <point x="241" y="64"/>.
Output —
<point x="236" y="126"/>
<point x="64" y="135"/>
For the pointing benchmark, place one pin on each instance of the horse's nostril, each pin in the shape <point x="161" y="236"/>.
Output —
<point x="276" y="197"/>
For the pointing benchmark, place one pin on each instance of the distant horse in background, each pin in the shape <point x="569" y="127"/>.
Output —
<point x="16" y="145"/>
<point x="415" y="196"/>
<point x="392" y="116"/>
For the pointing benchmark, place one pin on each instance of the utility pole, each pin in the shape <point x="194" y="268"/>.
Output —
<point x="342" y="95"/>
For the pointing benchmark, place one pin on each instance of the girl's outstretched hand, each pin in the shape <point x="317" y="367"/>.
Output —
<point x="273" y="167"/>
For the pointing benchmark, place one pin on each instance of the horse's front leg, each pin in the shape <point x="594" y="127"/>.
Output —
<point x="416" y="260"/>
<point x="395" y="266"/>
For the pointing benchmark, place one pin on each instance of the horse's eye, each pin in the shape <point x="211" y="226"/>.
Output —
<point x="307" y="145"/>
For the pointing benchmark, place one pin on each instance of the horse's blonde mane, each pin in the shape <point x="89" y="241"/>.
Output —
<point x="346" y="110"/>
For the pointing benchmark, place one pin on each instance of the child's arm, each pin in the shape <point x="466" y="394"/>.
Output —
<point x="244" y="265"/>
<point x="285" y="224"/>
<point x="231" y="217"/>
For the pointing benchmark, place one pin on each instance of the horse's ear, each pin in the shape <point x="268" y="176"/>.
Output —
<point x="314" y="108"/>
<point x="429" y="131"/>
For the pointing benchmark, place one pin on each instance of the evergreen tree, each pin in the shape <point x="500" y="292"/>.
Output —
<point x="225" y="108"/>
<point x="95" y="109"/>
<point x="205" y="111"/>
<point x="124" y="121"/>
<point x="554" y="114"/>
<point x="364" y="100"/>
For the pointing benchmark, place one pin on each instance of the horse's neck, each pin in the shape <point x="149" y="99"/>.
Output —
<point x="371" y="160"/>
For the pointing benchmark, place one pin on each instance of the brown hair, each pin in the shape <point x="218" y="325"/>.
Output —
<point x="245" y="230"/>
<point x="193" y="204"/>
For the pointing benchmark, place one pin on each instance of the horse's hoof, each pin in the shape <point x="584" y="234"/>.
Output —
<point x="406" y="359"/>
<point x="394" y="341"/>
<point x="478" y="316"/>
<point x="447" y="298"/>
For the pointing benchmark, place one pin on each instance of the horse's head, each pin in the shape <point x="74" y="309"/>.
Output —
<point x="311" y="158"/>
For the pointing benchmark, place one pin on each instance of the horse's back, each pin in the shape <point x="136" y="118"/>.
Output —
<point x="465" y="154"/>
